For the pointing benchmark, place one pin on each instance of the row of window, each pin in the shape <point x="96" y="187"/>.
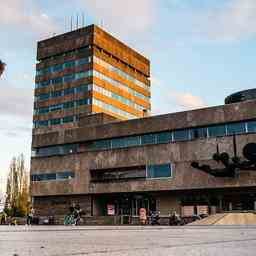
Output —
<point x="55" y="94"/>
<point x="61" y="106"/>
<point x="132" y="173"/>
<point x="120" y="85"/>
<point x="113" y="109"/>
<point x="63" y="66"/>
<point x="151" y="139"/>
<point x="117" y="97"/>
<point x="55" y="121"/>
<point x="65" y="79"/>
<point x="79" y="75"/>
<point x="120" y="73"/>
<point x="53" y="176"/>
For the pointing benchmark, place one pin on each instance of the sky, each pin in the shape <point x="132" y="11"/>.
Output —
<point x="200" y="51"/>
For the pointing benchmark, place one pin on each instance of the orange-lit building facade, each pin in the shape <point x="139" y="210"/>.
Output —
<point x="88" y="71"/>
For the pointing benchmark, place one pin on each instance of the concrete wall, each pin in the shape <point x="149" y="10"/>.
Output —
<point x="179" y="154"/>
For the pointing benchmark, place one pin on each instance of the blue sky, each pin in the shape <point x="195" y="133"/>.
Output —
<point x="200" y="51"/>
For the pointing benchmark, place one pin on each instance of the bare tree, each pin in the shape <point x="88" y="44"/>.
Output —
<point x="2" y="67"/>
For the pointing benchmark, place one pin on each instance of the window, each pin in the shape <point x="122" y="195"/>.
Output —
<point x="43" y="96"/>
<point x="163" y="137"/>
<point x="82" y="102"/>
<point x="69" y="64"/>
<point x="112" y="175"/>
<point x="118" y="143"/>
<point x="65" y="175"/>
<point x="55" y="121"/>
<point x="83" y="61"/>
<point x="69" y="104"/>
<point x="69" y="148"/>
<point x="159" y="171"/>
<point x="196" y="133"/>
<point x="69" y="78"/>
<point x="236" y="128"/>
<point x="217" y="130"/>
<point x="69" y="91"/>
<point x="84" y="88"/>
<point x="181" y="135"/>
<point x="132" y="141"/>
<point x="56" y="94"/>
<point x="53" y="176"/>
<point x="43" y="110"/>
<point x="56" y="107"/>
<point x="57" y="68"/>
<point x="43" y="123"/>
<point x="102" y="144"/>
<point x="251" y="126"/>
<point x="57" y="80"/>
<point x="148" y="139"/>
<point x="80" y="75"/>
<point x="68" y="119"/>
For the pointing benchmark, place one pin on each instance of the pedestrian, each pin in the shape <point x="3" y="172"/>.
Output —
<point x="30" y="216"/>
<point x="3" y="218"/>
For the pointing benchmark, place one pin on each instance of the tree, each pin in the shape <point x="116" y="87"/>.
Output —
<point x="17" y="188"/>
<point x="2" y="67"/>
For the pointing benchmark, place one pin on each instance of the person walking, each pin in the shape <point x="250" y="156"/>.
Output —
<point x="30" y="216"/>
<point x="3" y="218"/>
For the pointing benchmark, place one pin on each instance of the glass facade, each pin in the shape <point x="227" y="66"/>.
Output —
<point x="56" y="121"/>
<point x="151" y="139"/>
<point x="67" y="91"/>
<point x="53" y="176"/>
<point x="120" y="85"/>
<point x="120" y="73"/>
<point x="61" y="67"/>
<point x="84" y="74"/>
<point x="117" y="97"/>
<point x="112" y="109"/>
<point x="65" y="105"/>
<point x="159" y="171"/>
<point x="65" y="79"/>
<point x="132" y="173"/>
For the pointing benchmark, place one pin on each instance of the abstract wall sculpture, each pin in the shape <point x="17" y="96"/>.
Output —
<point x="232" y="166"/>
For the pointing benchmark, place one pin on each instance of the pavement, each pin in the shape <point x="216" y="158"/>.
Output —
<point x="127" y="240"/>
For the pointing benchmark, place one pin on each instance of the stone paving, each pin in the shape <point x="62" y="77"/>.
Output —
<point x="127" y="240"/>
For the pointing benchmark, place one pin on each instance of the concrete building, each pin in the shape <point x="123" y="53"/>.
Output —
<point x="143" y="162"/>
<point x="88" y="71"/>
<point x="113" y="167"/>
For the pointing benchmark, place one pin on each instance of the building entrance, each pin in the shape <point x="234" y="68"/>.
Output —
<point x="124" y="204"/>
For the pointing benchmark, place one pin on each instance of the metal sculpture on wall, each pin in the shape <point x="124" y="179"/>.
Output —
<point x="231" y="165"/>
<point x="2" y="67"/>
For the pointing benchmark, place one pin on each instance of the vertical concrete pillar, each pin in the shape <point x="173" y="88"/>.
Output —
<point x="220" y="204"/>
<point x="230" y="206"/>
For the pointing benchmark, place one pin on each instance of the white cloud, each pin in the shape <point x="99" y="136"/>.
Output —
<point x="123" y="17"/>
<point x="169" y="100"/>
<point x="23" y="14"/>
<point x="232" y="20"/>
<point x="15" y="101"/>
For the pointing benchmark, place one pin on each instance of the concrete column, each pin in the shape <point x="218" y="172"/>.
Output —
<point x="220" y="204"/>
<point x="230" y="207"/>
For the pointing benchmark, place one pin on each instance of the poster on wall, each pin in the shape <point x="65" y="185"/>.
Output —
<point x="111" y="209"/>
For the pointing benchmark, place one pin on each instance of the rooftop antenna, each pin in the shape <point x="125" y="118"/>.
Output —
<point x="83" y="19"/>
<point x="77" y="21"/>
<point x="71" y="23"/>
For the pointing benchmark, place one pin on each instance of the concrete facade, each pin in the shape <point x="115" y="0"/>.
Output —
<point x="168" y="193"/>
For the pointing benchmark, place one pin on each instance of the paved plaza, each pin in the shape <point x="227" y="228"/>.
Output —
<point x="127" y="240"/>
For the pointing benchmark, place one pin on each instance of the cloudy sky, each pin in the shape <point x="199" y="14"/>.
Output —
<point x="200" y="52"/>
